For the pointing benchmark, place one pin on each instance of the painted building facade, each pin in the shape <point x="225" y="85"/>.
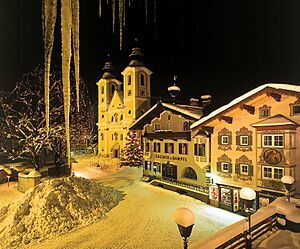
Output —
<point x="169" y="148"/>
<point x="254" y="141"/>
<point x="121" y="103"/>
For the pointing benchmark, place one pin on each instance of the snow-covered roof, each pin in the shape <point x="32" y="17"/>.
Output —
<point x="279" y="86"/>
<point x="194" y="112"/>
<point x="276" y="120"/>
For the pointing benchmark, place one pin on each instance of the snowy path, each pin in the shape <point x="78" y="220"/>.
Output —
<point x="142" y="219"/>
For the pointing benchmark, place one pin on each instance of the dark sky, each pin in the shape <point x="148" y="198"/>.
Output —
<point x="222" y="48"/>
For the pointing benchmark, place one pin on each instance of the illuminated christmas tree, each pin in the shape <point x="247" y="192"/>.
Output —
<point x="132" y="153"/>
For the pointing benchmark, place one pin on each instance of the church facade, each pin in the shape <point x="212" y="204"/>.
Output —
<point x="120" y="103"/>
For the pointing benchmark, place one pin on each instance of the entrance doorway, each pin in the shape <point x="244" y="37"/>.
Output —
<point x="116" y="153"/>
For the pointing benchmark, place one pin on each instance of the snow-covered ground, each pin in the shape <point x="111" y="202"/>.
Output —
<point x="143" y="219"/>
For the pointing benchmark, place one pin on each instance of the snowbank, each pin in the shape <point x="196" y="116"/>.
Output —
<point x="54" y="207"/>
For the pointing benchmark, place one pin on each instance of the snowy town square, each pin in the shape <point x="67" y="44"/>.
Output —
<point x="141" y="219"/>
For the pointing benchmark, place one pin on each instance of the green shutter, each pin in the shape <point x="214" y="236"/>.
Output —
<point x="237" y="169"/>
<point x="219" y="166"/>
<point x="250" y="170"/>
<point x="229" y="167"/>
<point x="250" y="140"/>
<point x="238" y="140"/>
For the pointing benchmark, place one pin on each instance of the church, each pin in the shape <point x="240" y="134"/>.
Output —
<point x="121" y="103"/>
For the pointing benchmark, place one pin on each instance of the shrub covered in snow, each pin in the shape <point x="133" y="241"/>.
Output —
<point x="55" y="206"/>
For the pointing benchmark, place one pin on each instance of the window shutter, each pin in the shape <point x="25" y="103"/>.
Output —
<point x="230" y="139"/>
<point x="229" y="167"/>
<point x="237" y="169"/>
<point x="219" y="139"/>
<point x="238" y="139"/>
<point x="250" y="140"/>
<point x="219" y="166"/>
<point x="250" y="170"/>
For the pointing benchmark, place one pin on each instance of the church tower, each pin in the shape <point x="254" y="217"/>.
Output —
<point x="136" y="78"/>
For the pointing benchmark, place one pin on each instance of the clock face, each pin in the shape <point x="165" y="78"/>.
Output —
<point x="272" y="156"/>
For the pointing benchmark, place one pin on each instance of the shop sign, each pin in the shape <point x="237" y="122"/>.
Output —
<point x="174" y="158"/>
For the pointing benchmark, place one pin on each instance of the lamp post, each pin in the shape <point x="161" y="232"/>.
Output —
<point x="8" y="181"/>
<point x="288" y="182"/>
<point x="248" y="195"/>
<point x="184" y="218"/>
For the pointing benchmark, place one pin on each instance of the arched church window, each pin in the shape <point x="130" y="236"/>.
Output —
<point x="121" y="117"/>
<point x="112" y="119"/>
<point x="142" y="79"/>
<point x="116" y="117"/>
<point x="190" y="173"/>
<point x="102" y="136"/>
<point x="102" y="89"/>
<point x="116" y="136"/>
<point x="129" y="79"/>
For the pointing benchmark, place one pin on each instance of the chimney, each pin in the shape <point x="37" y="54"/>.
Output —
<point x="206" y="99"/>
<point x="194" y="102"/>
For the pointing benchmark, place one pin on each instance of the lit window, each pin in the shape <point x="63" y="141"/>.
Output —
<point x="272" y="173"/>
<point x="183" y="148"/>
<point x="169" y="148"/>
<point x="295" y="109"/>
<point x="244" y="140"/>
<point x="224" y="167"/>
<point x="244" y="169"/>
<point x="273" y="140"/>
<point x="224" y="139"/>
<point x="156" y="147"/>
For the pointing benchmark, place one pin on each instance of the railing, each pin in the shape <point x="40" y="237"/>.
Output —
<point x="200" y="189"/>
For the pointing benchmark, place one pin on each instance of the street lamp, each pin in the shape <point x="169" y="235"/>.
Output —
<point x="248" y="195"/>
<point x="288" y="183"/>
<point x="8" y="181"/>
<point x="184" y="218"/>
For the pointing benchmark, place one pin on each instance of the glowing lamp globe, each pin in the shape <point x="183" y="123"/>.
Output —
<point x="288" y="179"/>
<point x="248" y="195"/>
<point x="185" y="219"/>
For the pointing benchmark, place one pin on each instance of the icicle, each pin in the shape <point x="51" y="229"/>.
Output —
<point x="100" y="14"/>
<point x="48" y="19"/>
<point x="66" y="24"/>
<point x="113" y="14"/>
<point x="75" y="39"/>
<point x="146" y="10"/>
<point x="121" y="22"/>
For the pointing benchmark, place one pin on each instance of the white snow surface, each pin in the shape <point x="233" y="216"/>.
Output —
<point x="295" y="88"/>
<point x="54" y="207"/>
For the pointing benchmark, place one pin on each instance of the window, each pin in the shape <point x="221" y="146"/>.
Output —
<point x="116" y="117"/>
<point x="142" y="79"/>
<point x="121" y="137"/>
<point x="102" y="89"/>
<point x="190" y="173"/>
<point x="272" y="173"/>
<point x="156" y="167"/>
<point x="156" y="127"/>
<point x="199" y="150"/>
<point x="129" y="93"/>
<point x="112" y="89"/>
<point x="121" y="117"/>
<point x="129" y="79"/>
<point x="147" y="165"/>
<point x="143" y="93"/>
<point x="244" y="140"/>
<point x="102" y="116"/>
<point x="225" y="167"/>
<point x="112" y="136"/>
<point x="272" y="140"/>
<point x="186" y="126"/>
<point x="244" y="169"/>
<point x="156" y="147"/>
<point x="224" y="139"/>
<point x="102" y="136"/>
<point x="147" y="147"/>
<point x="116" y="136"/>
<point x="129" y="112"/>
<point x="183" y="148"/>
<point x="265" y="111"/>
<point x="102" y="100"/>
<point x="168" y="126"/>
<point x="169" y="148"/>
<point x="112" y="119"/>
<point x="295" y="109"/>
<point x="169" y="117"/>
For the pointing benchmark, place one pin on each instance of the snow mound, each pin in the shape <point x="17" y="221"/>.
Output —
<point x="54" y="207"/>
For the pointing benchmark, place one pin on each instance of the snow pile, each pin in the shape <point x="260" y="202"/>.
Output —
<point x="55" y="206"/>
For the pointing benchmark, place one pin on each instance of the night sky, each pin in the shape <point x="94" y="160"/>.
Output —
<point x="222" y="48"/>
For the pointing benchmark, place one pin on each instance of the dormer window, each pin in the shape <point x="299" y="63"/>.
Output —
<point x="142" y="79"/>
<point x="265" y="111"/>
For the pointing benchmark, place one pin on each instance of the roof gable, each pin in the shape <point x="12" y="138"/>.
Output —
<point x="286" y="88"/>
<point x="276" y="120"/>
